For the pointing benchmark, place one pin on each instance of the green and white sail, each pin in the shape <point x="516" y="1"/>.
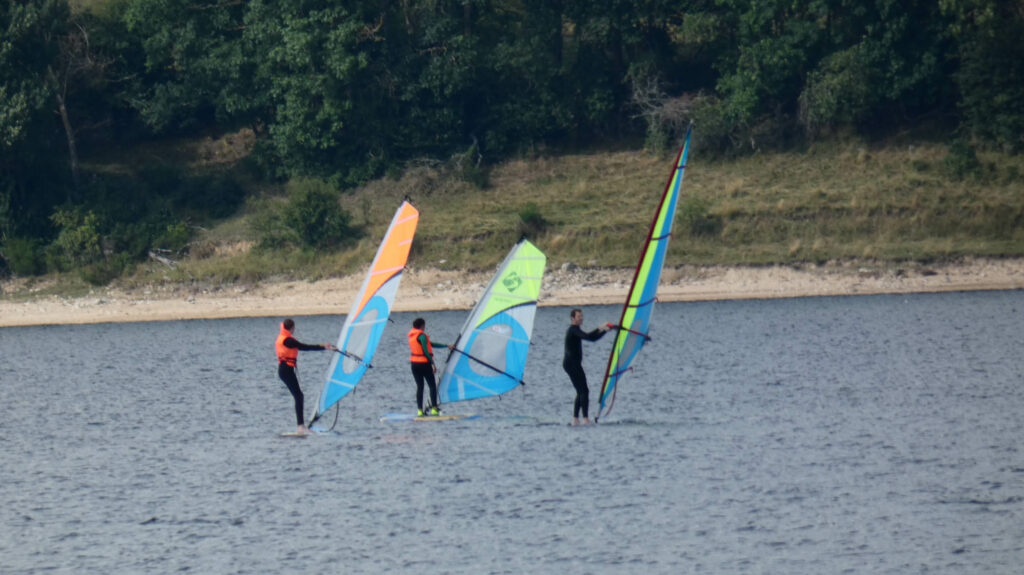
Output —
<point x="489" y="356"/>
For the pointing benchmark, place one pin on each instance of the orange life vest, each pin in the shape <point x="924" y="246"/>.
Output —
<point x="418" y="355"/>
<point x="287" y="355"/>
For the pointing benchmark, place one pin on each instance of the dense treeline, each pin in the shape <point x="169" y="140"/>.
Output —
<point x="346" y="91"/>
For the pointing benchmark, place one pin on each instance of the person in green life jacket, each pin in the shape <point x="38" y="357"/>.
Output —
<point x="423" y="365"/>
<point x="287" y="349"/>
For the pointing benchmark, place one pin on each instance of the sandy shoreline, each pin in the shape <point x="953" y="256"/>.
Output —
<point x="430" y="290"/>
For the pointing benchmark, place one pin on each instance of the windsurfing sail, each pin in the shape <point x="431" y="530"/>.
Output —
<point x="365" y="323"/>
<point x="489" y="356"/>
<point x="635" y="322"/>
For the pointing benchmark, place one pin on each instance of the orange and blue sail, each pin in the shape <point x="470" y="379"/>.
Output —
<point x="364" y="324"/>
<point x="489" y="356"/>
<point x="634" y="325"/>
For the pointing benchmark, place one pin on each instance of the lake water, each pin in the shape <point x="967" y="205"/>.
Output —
<point x="876" y="434"/>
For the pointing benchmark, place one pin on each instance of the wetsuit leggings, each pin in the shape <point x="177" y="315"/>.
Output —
<point x="423" y="372"/>
<point x="287" y="375"/>
<point x="579" y="381"/>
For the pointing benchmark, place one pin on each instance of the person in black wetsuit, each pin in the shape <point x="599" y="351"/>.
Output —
<point x="423" y="367"/>
<point x="287" y="349"/>
<point x="572" y="363"/>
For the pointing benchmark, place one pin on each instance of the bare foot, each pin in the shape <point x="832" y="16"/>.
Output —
<point x="302" y="430"/>
<point x="586" y="421"/>
<point x="575" y="421"/>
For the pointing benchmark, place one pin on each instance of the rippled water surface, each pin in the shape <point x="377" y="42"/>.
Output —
<point x="830" y="435"/>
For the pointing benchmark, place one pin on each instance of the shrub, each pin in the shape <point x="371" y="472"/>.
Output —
<point x="175" y="238"/>
<point x="103" y="272"/>
<point x="713" y="133"/>
<point x="696" y="218"/>
<point x="477" y="176"/>
<point x="267" y="224"/>
<point x="264" y="162"/>
<point x="666" y="117"/>
<point x="24" y="256"/>
<point x="136" y="238"/>
<point x="314" y="214"/>
<point x="962" y="161"/>
<point x="658" y="139"/>
<point x="838" y="92"/>
<point x="468" y="167"/>
<point x="79" y="239"/>
<point x="531" y="220"/>
<point x="202" y="250"/>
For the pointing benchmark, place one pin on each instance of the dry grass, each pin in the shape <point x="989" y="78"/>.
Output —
<point x="831" y="203"/>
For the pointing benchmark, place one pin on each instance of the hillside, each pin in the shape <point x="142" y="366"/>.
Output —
<point x="832" y="203"/>
<point x="847" y="206"/>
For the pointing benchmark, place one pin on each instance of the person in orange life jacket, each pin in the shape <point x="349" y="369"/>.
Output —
<point x="288" y="348"/>
<point x="572" y="362"/>
<point x="423" y="366"/>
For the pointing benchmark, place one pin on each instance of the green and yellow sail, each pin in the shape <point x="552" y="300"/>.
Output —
<point x="635" y="322"/>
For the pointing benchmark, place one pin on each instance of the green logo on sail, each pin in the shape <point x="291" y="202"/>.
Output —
<point x="512" y="281"/>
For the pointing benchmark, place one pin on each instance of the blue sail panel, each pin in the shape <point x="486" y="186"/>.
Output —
<point x="494" y="360"/>
<point x="359" y="342"/>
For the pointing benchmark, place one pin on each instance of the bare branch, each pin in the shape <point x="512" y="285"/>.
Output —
<point x="659" y="109"/>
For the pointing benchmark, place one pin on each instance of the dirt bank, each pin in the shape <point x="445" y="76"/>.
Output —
<point x="427" y="290"/>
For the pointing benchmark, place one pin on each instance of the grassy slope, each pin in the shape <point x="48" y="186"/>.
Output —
<point x="833" y="202"/>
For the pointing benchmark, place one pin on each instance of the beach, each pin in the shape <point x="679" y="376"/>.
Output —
<point x="569" y="285"/>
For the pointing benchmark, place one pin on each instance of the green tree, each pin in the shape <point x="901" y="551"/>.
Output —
<point x="830" y="63"/>
<point x="433" y="65"/>
<point x="990" y="75"/>
<point x="78" y="75"/>
<point x="29" y="185"/>
<point x="195" y="70"/>
<point x="27" y="49"/>
<point x="312" y="58"/>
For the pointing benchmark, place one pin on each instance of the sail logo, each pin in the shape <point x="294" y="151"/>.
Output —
<point x="512" y="281"/>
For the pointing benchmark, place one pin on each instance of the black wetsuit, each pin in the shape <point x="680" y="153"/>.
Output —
<point x="424" y="373"/>
<point x="291" y="380"/>
<point x="572" y="363"/>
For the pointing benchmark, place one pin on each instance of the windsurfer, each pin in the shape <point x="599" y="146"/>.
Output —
<point x="423" y="366"/>
<point x="288" y="348"/>
<point x="572" y="362"/>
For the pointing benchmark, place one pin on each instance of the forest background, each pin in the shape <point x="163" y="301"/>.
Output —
<point x="223" y="141"/>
